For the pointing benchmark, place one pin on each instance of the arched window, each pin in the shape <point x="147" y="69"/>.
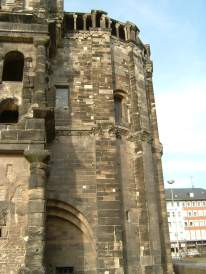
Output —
<point x="120" y="108"/>
<point x="118" y="105"/>
<point x="13" y="66"/>
<point x="80" y="22"/>
<point x="9" y="113"/>
<point x="121" y="32"/>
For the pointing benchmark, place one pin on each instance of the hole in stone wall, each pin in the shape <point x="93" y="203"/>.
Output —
<point x="0" y="232"/>
<point x="9" y="112"/>
<point x="89" y="22"/>
<point x="113" y="28"/>
<point x="80" y="22"/>
<point x="13" y="66"/>
<point x="52" y="4"/>
<point x="69" y="22"/>
<point x="98" y="18"/>
<point x="121" y="32"/>
<point x="118" y="102"/>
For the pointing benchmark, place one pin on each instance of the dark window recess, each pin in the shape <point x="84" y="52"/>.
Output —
<point x="98" y="18"/>
<point x="80" y="22"/>
<point x="65" y="270"/>
<point x="9" y="113"/>
<point x="121" y="32"/>
<point x="114" y="33"/>
<point x="0" y="232"/>
<point x="118" y="109"/>
<point x="89" y="22"/>
<point x="13" y="66"/>
<point x="52" y="5"/>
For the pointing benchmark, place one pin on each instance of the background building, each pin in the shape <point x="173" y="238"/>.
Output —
<point x="186" y="209"/>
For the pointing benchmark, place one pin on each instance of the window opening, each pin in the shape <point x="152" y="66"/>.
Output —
<point x="9" y="113"/>
<point x="62" y="97"/>
<point x="70" y="22"/>
<point x="52" y="5"/>
<point x="80" y="22"/>
<point x="13" y="66"/>
<point x="118" y="108"/>
<point x="98" y="18"/>
<point x="89" y="22"/>
<point x="113" y="28"/>
<point x="121" y="32"/>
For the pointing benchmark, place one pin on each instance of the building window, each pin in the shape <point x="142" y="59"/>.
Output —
<point x="191" y="223"/>
<point x="120" y="108"/>
<point x="185" y="223"/>
<point x="64" y="270"/>
<point x="189" y="213"/>
<point x="9" y="113"/>
<point x="168" y="214"/>
<point x="13" y="66"/>
<point x="62" y="97"/>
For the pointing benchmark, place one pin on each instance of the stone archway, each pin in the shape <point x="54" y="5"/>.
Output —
<point x="69" y="242"/>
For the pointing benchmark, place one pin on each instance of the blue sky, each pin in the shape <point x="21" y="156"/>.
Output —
<point x="176" y="31"/>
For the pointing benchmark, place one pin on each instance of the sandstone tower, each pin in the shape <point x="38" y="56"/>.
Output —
<point x="81" y="187"/>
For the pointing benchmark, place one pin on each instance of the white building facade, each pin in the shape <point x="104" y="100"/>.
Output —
<point x="186" y="209"/>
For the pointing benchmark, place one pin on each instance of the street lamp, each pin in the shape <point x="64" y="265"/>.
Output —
<point x="171" y="182"/>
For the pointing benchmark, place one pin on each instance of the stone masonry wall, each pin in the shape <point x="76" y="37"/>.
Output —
<point x="14" y="174"/>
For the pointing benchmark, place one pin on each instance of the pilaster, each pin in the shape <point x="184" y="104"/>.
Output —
<point x="148" y="216"/>
<point x="35" y="242"/>
<point x="40" y="83"/>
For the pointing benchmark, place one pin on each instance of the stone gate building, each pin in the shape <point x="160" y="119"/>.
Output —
<point x="81" y="187"/>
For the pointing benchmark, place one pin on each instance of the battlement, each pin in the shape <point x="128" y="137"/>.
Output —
<point x="74" y="21"/>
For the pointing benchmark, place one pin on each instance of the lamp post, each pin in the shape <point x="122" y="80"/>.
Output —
<point x="171" y="182"/>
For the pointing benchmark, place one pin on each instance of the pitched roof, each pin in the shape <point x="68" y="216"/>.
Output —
<point x="185" y="194"/>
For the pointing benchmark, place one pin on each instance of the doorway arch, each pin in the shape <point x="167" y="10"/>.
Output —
<point x="70" y="246"/>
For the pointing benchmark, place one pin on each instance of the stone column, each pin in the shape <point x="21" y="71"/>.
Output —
<point x="1" y="66"/>
<point x="117" y="25"/>
<point x="85" y="21"/>
<point x="75" y="21"/>
<point x="40" y="84"/>
<point x="93" y="19"/>
<point x="35" y="242"/>
<point x="103" y="21"/>
<point x="109" y="23"/>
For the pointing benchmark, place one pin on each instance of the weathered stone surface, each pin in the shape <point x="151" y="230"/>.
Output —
<point x="93" y="199"/>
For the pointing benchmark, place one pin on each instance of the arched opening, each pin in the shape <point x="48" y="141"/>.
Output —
<point x="13" y="66"/>
<point x="89" y="22"/>
<point x="113" y="28"/>
<point x="52" y="4"/>
<point x="120" y="108"/>
<point x="69" y="240"/>
<point x="80" y="22"/>
<point x="98" y="18"/>
<point x="9" y="112"/>
<point x="121" y="32"/>
<point x="69" y="22"/>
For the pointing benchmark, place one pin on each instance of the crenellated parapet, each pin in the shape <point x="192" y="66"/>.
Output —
<point x="97" y="19"/>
